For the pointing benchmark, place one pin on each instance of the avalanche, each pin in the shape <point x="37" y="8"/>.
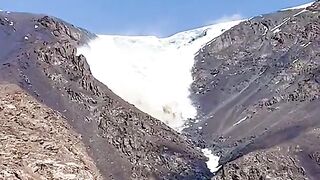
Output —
<point x="151" y="73"/>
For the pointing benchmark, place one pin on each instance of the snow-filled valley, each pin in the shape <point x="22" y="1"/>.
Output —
<point x="152" y="73"/>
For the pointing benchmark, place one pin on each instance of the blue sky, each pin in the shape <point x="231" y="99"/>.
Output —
<point x="147" y="17"/>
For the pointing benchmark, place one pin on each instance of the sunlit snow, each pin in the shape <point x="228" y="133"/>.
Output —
<point x="299" y="7"/>
<point x="213" y="163"/>
<point x="151" y="73"/>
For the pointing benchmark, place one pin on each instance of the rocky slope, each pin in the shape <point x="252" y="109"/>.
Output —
<point x="38" y="54"/>
<point x="37" y="142"/>
<point x="257" y="91"/>
<point x="256" y="88"/>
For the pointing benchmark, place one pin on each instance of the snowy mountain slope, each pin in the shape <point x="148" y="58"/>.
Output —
<point x="299" y="7"/>
<point x="152" y="73"/>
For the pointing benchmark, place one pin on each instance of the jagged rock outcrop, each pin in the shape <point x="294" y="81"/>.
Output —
<point x="39" y="54"/>
<point x="257" y="89"/>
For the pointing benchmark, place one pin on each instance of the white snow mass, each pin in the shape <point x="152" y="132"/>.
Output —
<point x="213" y="163"/>
<point x="152" y="73"/>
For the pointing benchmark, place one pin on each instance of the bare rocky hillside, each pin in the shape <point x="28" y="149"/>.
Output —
<point x="37" y="142"/>
<point x="257" y="89"/>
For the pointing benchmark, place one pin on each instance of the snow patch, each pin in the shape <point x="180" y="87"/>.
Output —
<point x="152" y="73"/>
<point x="240" y="121"/>
<point x="306" y="44"/>
<point x="213" y="162"/>
<point x="278" y="26"/>
<point x="299" y="7"/>
<point x="297" y="14"/>
<point x="277" y="30"/>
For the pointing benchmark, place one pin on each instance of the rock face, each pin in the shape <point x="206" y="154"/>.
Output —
<point x="257" y="89"/>
<point x="37" y="142"/>
<point x="38" y="53"/>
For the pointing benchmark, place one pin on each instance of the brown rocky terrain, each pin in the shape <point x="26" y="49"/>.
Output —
<point x="37" y="142"/>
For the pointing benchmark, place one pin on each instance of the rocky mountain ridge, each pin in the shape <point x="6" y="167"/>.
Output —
<point x="125" y="143"/>
<point x="257" y="90"/>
